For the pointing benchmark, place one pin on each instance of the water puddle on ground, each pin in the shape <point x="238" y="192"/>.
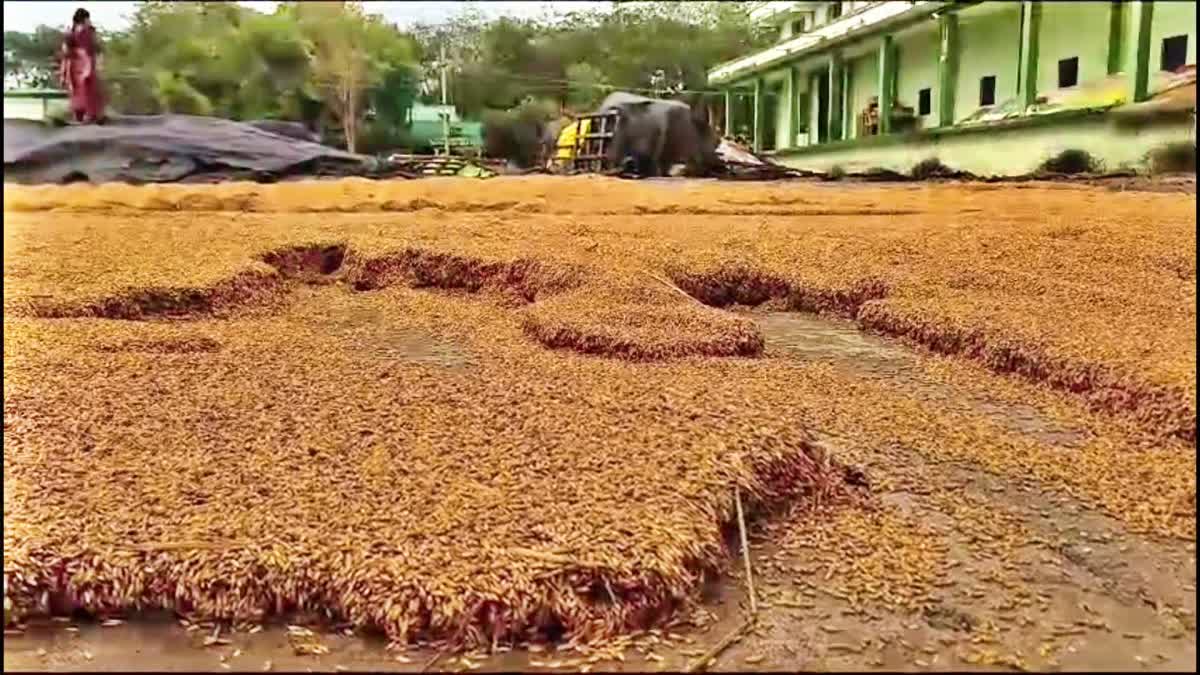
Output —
<point x="818" y="338"/>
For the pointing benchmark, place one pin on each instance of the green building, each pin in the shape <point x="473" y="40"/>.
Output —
<point x="426" y="127"/>
<point x="990" y="87"/>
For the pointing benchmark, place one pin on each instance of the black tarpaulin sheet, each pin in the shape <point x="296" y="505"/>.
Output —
<point x="164" y="148"/>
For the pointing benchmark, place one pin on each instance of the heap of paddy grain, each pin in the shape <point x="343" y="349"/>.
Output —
<point x="625" y="318"/>
<point x="514" y="594"/>
<point x="549" y="493"/>
<point x="416" y="578"/>
<point x="937" y="294"/>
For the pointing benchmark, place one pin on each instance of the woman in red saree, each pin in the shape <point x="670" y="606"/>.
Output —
<point x="79" y="72"/>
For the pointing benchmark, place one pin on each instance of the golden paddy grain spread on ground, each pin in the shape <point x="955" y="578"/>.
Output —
<point x="487" y="411"/>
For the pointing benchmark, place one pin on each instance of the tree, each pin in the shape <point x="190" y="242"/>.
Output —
<point x="681" y="39"/>
<point x="393" y="97"/>
<point x="352" y="53"/>
<point x="642" y="46"/>
<point x="228" y="60"/>
<point x="456" y="36"/>
<point x="334" y="62"/>
<point x="586" y="86"/>
<point x="31" y="59"/>
<point x="274" y="57"/>
<point x="221" y="59"/>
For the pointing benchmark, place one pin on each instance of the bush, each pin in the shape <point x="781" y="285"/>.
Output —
<point x="536" y="110"/>
<point x="881" y="174"/>
<point x="1071" y="161"/>
<point x="1179" y="157"/>
<point x="930" y="168"/>
<point x="379" y="138"/>
<point x="514" y="135"/>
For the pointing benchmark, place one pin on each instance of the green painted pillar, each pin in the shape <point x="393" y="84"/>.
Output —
<point x="848" y="118"/>
<point x="729" y="129"/>
<point x="1139" y="52"/>
<point x="1116" y="35"/>
<point x="814" y="107"/>
<point x="791" y="108"/>
<point x="947" y="68"/>
<point x="836" y="104"/>
<point x="759" y="103"/>
<point x="1031" y="27"/>
<point x="887" y="83"/>
<point x="799" y="114"/>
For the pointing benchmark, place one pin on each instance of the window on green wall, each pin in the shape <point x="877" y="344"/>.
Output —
<point x="987" y="90"/>
<point x="1068" y="72"/>
<point x="1174" y="52"/>
<point x="925" y="101"/>
<point x="802" y="110"/>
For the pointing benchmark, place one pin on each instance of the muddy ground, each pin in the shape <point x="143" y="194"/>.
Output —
<point x="1023" y="576"/>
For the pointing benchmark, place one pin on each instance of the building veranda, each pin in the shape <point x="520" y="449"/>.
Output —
<point x="988" y="87"/>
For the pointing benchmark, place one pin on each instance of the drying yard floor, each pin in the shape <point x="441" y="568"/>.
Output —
<point x="488" y="412"/>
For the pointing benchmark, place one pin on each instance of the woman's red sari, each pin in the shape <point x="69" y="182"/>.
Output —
<point x="81" y="75"/>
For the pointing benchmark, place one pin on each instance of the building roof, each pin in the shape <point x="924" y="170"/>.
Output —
<point x="770" y="11"/>
<point x="844" y="29"/>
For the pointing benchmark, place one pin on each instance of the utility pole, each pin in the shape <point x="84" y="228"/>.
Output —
<point x="445" y="114"/>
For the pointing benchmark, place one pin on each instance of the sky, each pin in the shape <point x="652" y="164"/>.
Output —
<point x="25" y="16"/>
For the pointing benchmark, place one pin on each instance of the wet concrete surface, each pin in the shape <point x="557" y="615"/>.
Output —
<point x="1073" y="590"/>
<point x="819" y="338"/>
<point x="1026" y="578"/>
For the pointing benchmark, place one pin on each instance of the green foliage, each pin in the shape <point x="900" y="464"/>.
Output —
<point x="516" y="134"/>
<point x="393" y="97"/>
<point x="219" y="59"/>
<point x="337" y="64"/>
<point x="586" y="86"/>
<point x="31" y="59"/>
<point x="378" y="138"/>
<point x="931" y="168"/>
<point x="1071" y="161"/>
<point x="305" y="62"/>
<point x="643" y="46"/>
<point x="176" y="94"/>
<point x="1178" y="157"/>
<point x="351" y="54"/>
<point x="539" y="110"/>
